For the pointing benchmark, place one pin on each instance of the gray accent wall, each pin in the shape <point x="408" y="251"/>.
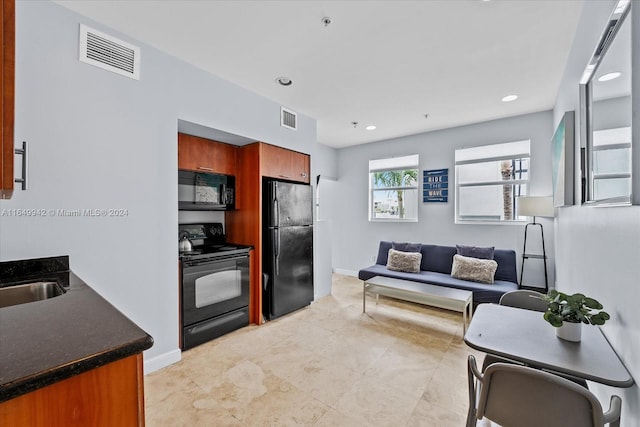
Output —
<point x="99" y="140"/>
<point x="356" y="239"/>
<point x="597" y="248"/>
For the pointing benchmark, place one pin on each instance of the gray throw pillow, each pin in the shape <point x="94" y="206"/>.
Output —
<point x="473" y="269"/>
<point x="409" y="262"/>
<point x="476" y="251"/>
<point x="406" y="247"/>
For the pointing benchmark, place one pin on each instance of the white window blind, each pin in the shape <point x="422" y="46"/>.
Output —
<point x="485" y="153"/>
<point x="394" y="163"/>
<point x="489" y="179"/>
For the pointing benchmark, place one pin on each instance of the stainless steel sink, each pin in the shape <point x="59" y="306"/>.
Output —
<point x="29" y="292"/>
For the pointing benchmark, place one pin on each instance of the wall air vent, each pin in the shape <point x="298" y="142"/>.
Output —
<point x="108" y="52"/>
<point x="288" y="119"/>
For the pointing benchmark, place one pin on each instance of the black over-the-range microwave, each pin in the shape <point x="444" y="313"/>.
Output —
<point x="206" y="191"/>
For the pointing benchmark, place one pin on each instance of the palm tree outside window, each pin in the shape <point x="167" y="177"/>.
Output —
<point x="393" y="186"/>
<point x="489" y="179"/>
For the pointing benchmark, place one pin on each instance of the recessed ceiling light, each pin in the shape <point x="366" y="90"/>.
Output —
<point x="609" y="76"/>
<point x="509" y="98"/>
<point x="370" y="127"/>
<point x="284" y="81"/>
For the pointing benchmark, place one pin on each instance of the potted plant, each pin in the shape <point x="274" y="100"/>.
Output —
<point x="568" y="312"/>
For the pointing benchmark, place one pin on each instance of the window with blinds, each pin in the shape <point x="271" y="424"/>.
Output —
<point x="489" y="179"/>
<point x="611" y="168"/>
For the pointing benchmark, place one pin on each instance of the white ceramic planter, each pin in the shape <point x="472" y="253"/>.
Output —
<point x="570" y="331"/>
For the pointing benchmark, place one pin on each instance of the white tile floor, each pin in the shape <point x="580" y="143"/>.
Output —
<point x="400" y="364"/>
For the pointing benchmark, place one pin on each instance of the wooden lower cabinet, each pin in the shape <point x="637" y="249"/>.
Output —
<point x="7" y="81"/>
<point x="111" y="395"/>
<point x="244" y="225"/>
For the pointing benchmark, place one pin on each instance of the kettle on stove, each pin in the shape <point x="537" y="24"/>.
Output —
<point x="185" y="245"/>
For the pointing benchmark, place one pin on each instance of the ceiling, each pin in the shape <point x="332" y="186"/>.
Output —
<point x="382" y="63"/>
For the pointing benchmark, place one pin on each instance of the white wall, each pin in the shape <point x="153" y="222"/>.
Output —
<point x="326" y="162"/>
<point x="100" y="140"/>
<point x="356" y="239"/>
<point x="598" y="249"/>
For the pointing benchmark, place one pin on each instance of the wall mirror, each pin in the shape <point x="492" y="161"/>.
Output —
<point x="606" y="114"/>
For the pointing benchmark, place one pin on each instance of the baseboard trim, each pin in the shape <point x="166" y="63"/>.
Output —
<point x="162" y="360"/>
<point x="351" y="273"/>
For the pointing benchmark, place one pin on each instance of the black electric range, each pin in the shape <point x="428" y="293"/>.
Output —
<point x="214" y="284"/>
<point x="214" y="251"/>
<point x="208" y="241"/>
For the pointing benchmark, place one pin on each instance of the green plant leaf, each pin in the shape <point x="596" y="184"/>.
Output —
<point x="576" y="308"/>
<point x="575" y="300"/>
<point x="552" y="296"/>
<point x="599" y="318"/>
<point x="553" y="319"/>
<point x="592" y="303"/>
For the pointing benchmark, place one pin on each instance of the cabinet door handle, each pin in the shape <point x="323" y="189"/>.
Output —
<point x="303" y="174"/>
<point x="284" y="176"/>
<point x="205" y="168"/>
<point x="23" y="152"/>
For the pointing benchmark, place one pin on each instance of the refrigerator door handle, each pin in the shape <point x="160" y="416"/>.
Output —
<point x="276" y="249"/>
<point x="276" y="213"/>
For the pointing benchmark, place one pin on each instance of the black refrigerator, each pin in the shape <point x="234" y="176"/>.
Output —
<point x="287" y="240"/>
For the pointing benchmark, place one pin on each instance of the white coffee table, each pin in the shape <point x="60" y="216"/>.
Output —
<point x="422" y="293"/>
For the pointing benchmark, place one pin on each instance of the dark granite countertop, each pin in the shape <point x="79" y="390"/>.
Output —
<point x="47" y="341"/>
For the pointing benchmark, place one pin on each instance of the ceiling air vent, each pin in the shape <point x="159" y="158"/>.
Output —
<point x="288" y="118"/>
<point x="108" y="52"/>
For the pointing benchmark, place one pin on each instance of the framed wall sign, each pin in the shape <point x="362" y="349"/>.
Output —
<point x="435" y="186"/>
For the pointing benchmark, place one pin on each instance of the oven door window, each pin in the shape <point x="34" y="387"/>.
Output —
<point x="217" y="287"/>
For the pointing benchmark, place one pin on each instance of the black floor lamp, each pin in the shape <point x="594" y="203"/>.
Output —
<point x="534" y="206"/>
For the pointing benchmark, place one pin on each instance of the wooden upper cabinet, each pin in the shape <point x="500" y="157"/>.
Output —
<point x="301" y="165"/>
<point x="204" y="155"/>
<point x="7" y="68"/>
<point x="274" y="161"/>
<point x="194" y="153"/>
<point x="224" y="158"/>
<point x="277" y="162"/>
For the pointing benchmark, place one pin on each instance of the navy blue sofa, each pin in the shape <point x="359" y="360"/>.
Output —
<point x="435" y="269"/>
